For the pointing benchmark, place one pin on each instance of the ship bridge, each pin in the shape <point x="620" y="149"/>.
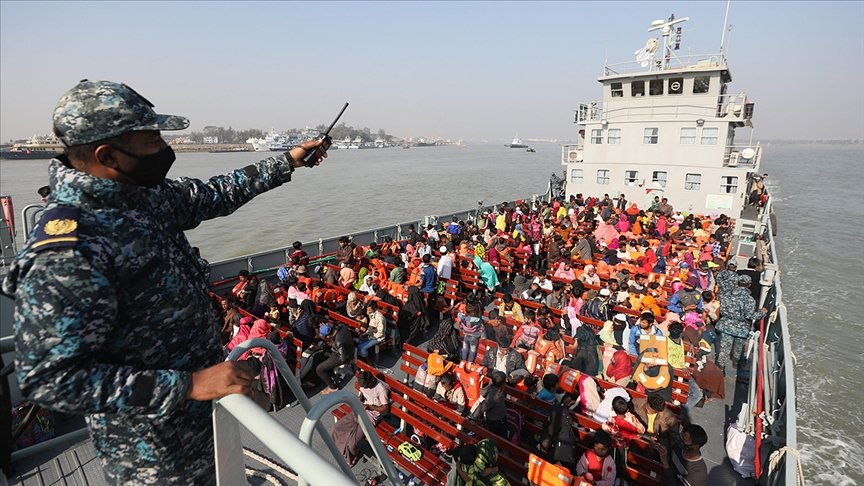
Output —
<point x="665" y="125"/>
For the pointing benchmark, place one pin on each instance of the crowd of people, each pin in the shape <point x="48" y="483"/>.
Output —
<point x="597" y="287"/>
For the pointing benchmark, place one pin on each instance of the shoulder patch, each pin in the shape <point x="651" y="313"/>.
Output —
<point x="57" y="228"/>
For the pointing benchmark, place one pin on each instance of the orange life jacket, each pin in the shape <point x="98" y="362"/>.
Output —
<point x="652" y="352"/>
<point x="544" y="473"/>
<point x="471" y="378"/>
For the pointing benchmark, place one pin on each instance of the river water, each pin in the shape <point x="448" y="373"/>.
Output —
<point x="817" y="198"/>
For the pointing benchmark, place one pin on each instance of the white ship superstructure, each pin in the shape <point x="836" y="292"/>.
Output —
<point x="666" y="126"/>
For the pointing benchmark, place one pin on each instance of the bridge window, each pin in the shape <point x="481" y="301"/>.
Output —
<point x="709" y="136"/>
<point x="701" y="84"/>
<point x="631" y="177"/>
<point x="596" y="136"/>
<point x="637" y="88"/>
<point x="655" y="87"/>
<point x="576" y="176"/>
<point x="603" y="176"/>
<point x="617" y="90"/>
<point x="676" y="85"/>
<point x="729" y="184"/>
<point x="613" y="136"/>
<point x="688" y="136"/>
<point x="692" y="182"/>
<point x="658" y="177"/>
<point x="651" y="135"/>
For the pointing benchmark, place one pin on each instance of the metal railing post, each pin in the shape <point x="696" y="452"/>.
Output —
<point x="313" y="419"/>
<point x="294" y="385"/>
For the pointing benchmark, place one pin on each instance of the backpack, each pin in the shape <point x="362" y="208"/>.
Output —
<point x="40" y="429"/>
<point x="514" y="421"/>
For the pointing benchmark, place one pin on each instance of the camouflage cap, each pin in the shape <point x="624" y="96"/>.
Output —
<point x="96" y="110"/>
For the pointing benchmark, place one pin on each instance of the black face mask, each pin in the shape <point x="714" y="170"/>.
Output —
<point x="149" y="170"/>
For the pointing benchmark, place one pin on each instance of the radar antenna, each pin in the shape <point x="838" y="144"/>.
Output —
<point x="668" y="42"/>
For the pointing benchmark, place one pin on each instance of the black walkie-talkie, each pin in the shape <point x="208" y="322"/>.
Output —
<point x="313" y="156"/>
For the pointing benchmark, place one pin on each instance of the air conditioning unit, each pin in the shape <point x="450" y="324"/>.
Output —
<point x="574" y="156"/>
<point x="733" y="159"/>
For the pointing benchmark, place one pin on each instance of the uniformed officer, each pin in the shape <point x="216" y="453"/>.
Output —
<point x="112" y="317"/>
<point x="737" y="313"/>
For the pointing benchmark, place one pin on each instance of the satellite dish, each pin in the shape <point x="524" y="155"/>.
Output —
<point x="748" y="153"/>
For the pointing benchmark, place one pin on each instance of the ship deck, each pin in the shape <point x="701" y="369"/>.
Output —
<point x="76" y="464"/>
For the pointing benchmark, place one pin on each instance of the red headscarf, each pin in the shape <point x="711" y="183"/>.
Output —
<point x="620" y="366"/>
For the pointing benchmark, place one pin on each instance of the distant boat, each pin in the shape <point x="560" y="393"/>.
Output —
<point x="517" y="143"/>
<point x="531" y="149"/>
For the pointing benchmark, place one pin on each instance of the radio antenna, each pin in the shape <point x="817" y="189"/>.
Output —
<point x="725" y="26"/>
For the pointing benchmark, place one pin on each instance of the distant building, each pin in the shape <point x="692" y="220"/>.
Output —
<point x="210" y="140"/>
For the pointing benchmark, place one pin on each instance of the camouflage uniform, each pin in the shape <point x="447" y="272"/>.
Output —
<point x="113" y="315"/>
<point x="727" y="280"/>
<point x="737" y="313"/>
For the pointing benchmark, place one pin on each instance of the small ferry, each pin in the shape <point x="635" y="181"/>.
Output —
<point x="666" y="127"/>
<point x="517" y="143"/>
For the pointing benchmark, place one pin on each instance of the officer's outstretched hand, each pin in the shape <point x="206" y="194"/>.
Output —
<point x="299" y="152"/>
<point x="221" y="380"/>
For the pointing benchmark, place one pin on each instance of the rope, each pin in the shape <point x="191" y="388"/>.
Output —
<point x="777" y="456"/>
<point x="272" y="465"/>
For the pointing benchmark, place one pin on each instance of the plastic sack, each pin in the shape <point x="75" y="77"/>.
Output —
<point x="741" y="449"/>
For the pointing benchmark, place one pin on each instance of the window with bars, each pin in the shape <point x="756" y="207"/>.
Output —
<point x="603" y="176"/>
<point x="692" y="182"/>
<point x="576" y="176"/>
<point x="651" y="135"/>
<point x="659" y="177"/>
<point x="613" y="136"/>
<point x="597" y="135"/>
<point x="729" y="184"/>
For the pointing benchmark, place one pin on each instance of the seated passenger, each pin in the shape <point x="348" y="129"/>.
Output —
<point x="477" y="464"/>
<point x="505" y="359"/>
<point x="596" y="465"/>
<point x="660" y="423"/>
<point x="510" y="308"/>
<point x="685" y="461"/>
<point x="548" y="393"/>
<point x="492" y="409"/>
<point x="338" y="347"/>
<point x="346" y="433"/>
<point x="375" y="332"/>
<point x="450" y="391"/>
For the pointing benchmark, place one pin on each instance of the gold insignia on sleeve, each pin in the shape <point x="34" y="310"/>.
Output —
<point x="60" y="226"/>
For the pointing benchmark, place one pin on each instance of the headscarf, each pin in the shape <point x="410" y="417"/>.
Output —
<point x="588" y="396"/>
<point x="241" y="336"/>
<point x="487" y="273"/>
<point x="692" y="319"/>
<point x="604" y="410"/>
<point x="260" y="329"/>
<point x="620" y="365"/>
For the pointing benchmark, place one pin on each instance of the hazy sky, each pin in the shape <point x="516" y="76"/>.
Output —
<point x="475" y="71"/>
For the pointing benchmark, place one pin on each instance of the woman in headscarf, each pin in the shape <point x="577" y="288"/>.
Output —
<point x="487" y="273"/>
<point x="355" y="309"/>
<point x="412" y="318"/>
<point x="245" y="328"/>
<point x="368" y="280"/>
<point x="585" y="358"/>
<point x="304" y="328"/>
<point x="623" y="224"/>
<point x="620" y="369"/>
<point x="589" y="398"/>
<point x="589" y="276"/>
<point x="446" y="340"/>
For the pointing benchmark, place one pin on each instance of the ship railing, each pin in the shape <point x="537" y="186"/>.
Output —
<point x="295" y="451"/>
<point x="735" y="107"/>
<point x="671" y="112"/>
<point x="675" y="62"/>
<point x="588" y="112"/>
<point x="773" y="387"/>
<point x="742" y="155"/>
